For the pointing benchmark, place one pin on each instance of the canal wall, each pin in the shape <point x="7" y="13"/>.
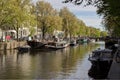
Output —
<point x="11" y="45"/>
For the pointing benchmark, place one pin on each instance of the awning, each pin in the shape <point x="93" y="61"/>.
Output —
<point x="11" y="31"/>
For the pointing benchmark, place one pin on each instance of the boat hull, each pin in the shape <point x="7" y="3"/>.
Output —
<point x="23" y="49"/>
<point x="36" y="44"/>
<point x="73" y="44"/>
<point x="56" y="46"/>
<point x="97" y="72"/>
<point x="101" y="63"/>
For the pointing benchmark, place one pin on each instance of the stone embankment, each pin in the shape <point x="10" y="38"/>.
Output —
<point x="11" y="45"/>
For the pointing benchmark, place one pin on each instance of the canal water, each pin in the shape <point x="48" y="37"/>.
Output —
<point x="68" y="63"/>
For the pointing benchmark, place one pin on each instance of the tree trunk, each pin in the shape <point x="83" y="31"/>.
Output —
<point x="70" y="36"/>
<point x="17" y="34"/>
<point x="43" y="31"/>
<point x="3" y="36"/>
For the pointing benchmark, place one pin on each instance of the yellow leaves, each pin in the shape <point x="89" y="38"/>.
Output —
<point x="48" y="17"/>
<point x="44" y="8"/>
<point x="16" y="13"/>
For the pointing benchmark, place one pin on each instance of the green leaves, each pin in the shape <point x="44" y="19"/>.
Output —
<point x="48" y="18"/>
<point x="109" y="9"/>
<point x="16" y="14"/>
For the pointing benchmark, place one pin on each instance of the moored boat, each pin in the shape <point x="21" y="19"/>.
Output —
<point x="23" y="49"/>
<point x="73" y="43"/>
<point x="92" y="40"/>
<point x="36" y="44"/>
<point x="57" y="45"/>
<point x="101" y="57"/>
<point x="82" y="40"/>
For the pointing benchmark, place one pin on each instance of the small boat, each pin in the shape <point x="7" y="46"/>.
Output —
<point x="101" y="57"/>
<point x="82" y="41"/>
<point x="36" y="44"/>
<point x="73" y="43"/>
<point x="56" y="45"/>
<point x="92" y="40"/>
<point x="23" y="49"/>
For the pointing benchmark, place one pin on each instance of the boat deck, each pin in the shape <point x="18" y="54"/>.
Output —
<point x="101" y="55"/>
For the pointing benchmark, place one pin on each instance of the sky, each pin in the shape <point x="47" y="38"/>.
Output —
<point x="87" y="14"/>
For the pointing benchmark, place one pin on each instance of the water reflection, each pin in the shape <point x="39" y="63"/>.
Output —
<point x="69" y="63"/>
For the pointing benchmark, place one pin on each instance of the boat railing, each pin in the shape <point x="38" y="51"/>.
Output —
<point x="94" y="54"/>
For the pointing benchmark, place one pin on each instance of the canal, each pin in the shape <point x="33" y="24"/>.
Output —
<point x="68" y="63"/>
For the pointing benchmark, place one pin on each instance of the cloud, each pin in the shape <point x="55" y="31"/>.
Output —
<point x="92" y="21"/>
<point x="57" y="4"/>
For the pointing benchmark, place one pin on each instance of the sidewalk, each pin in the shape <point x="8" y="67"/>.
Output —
<point x="114" y="72"/>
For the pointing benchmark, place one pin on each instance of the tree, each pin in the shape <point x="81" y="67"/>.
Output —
<point x="93" y="32"/>
<point x="109" y="9"/>
<point x="48" y="18"/>
<point x="5" y="11"/>
<point x="70" y="25"/>
<point x="103" y="34"/>
<point x="15" y="14"/>
<point x="81" y="31"/>
<point x="53" y="23"/>
<point x="111" y="16"/>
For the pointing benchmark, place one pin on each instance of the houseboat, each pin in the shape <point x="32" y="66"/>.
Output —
<point x="57" y="45"/>
<point x="23" y="49"/>
<point x="73" y="43"/>
<point x="34" y="44"/>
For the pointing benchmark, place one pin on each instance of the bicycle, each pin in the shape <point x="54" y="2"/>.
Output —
<point x="117" y="55"/>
